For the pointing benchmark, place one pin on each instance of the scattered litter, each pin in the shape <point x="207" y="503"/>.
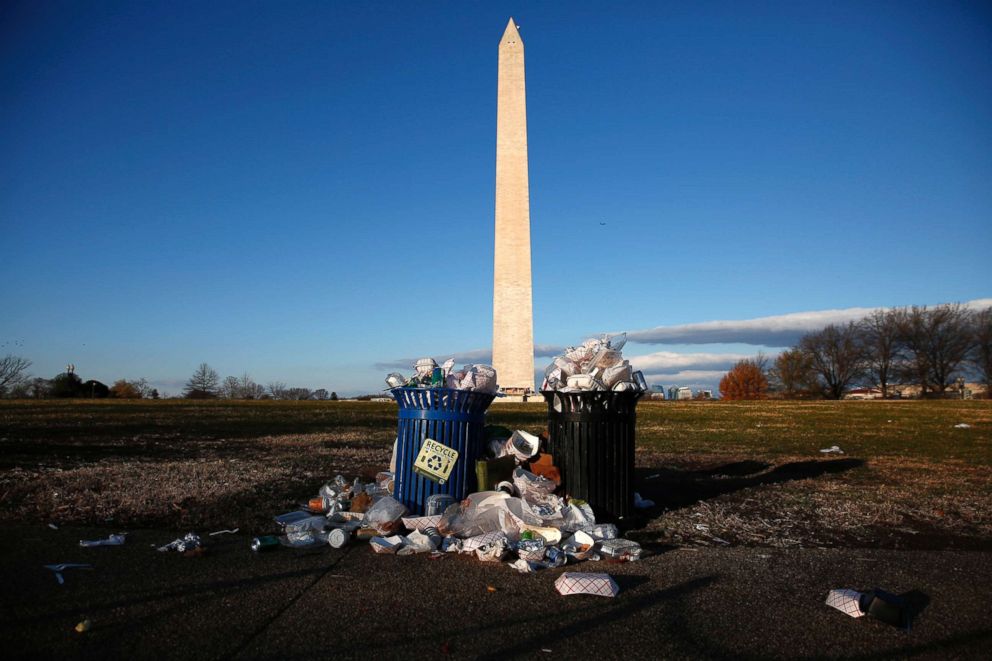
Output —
<point x="833" y="449"/>
<point x="653" y="477"/>
<point x="546" y="650"/>
<point x="84" y="626"/>
<point x="53" y="526"/>
<point x="225" y="532"/>
<point x="962" y="425"/>
<point x="113" y="540"/>
<point x="188" y="544"/>
<point x="58" y="569"/>
<point x="702" y="527"/>
<point x="720" y="541"/>
<point x="601" y="585"/>
<point x="264" y="543"/>
<point x="642" y="503"/>
<point x="490" y="588"/>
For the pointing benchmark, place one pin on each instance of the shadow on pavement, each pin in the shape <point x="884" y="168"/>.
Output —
<point x="671" y="488"/>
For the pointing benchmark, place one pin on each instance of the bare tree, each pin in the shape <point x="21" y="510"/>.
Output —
<point x="250" y="389"/>
<point x="203" y="384"/>
<point x="298" y="393"/>
<point x="321" y="394"/>
<point x="230" y="389"/>
<point x="880" y="337"/>
<point x="13" y="371"/>
<point x="836" y="356"/>
<point x="937" y="341"/>
<point x="277" y="389"/>
<point x="981" y="354"/>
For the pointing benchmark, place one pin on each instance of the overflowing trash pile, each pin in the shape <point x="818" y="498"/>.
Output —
<point x="596" y="364"/>
<point x="517" y="517"/>
<point x="427" y="374"/>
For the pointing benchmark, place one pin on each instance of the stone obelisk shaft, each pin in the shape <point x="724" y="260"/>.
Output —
<point x="513" y="316"/>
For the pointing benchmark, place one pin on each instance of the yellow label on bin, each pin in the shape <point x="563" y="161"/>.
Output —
<point x="435" y="461"/>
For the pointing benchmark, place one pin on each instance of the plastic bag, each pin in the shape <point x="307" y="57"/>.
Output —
<point x="468" y="519"/>
<point x="532" y="486"/>
<point x="396" y="380"/>
<point x="577" y="516"/>
<point x="385" y="514"/>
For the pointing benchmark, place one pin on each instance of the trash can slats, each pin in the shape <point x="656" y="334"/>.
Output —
<point x="592" y="442"/>
<point x="454" y="418"/>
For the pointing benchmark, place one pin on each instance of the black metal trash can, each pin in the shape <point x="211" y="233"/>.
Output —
<point x="592" y="442"/>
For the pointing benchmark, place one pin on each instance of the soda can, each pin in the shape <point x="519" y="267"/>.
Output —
<point x="338" y="537"/>
<point x="264" y="543"/>
<point x="437" y="503"/>
<point x="556" y="557"/>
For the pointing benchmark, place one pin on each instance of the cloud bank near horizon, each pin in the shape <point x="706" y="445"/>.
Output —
<point x="776" y="331"/>
<point x="779" y="331"/>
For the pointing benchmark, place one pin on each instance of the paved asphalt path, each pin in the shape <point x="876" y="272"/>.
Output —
<point x="351" y="603"/>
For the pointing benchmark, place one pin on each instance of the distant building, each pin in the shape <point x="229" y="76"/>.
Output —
<point x="677" y="393"/>
<point x="863" y="393"/>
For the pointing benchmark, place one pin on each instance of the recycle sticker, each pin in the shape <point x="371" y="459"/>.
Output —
<point x="435" y="461"/>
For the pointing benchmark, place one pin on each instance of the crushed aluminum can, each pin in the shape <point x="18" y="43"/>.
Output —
<point x="264" y="543"/>
<point x="555" y="556"/>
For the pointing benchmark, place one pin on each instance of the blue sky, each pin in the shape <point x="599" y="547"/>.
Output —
<point x="304" y="191"/>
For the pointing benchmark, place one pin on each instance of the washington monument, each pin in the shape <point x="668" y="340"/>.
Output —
<point x="513" y="314"/>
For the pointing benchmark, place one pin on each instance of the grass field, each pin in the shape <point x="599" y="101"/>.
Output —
<point x="720" y="473"/>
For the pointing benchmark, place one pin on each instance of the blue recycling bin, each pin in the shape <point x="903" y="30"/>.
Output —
<point x="455" y="418"/>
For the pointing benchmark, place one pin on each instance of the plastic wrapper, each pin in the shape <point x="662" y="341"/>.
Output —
<point x="602" y="531"/>
<point x="304" y="538"/>
<point x="396" y="380"/>
<point x="620" y="549"/>
<point x="577" y="515"/>
<point x="417" y="542"/>
<point x="532" y="487"/>
<point x="523" y="566"/>
<point x="112" y="540"/>
<point x="185" y="544"/>
<point x="317" y="523"/>
<point x="385" y="514"/>
<point x="470" y="518"/>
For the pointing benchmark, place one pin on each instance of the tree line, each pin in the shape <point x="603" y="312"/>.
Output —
<point x="16" y="383"/>
<point x="206" y="384"/>
<point x="930" y="348"/>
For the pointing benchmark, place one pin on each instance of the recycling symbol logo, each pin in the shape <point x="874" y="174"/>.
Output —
<point x="434" y="463"/>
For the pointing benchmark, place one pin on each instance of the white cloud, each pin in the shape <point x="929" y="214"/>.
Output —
<point x="776" y="331"/>
<point x="669" y="361"/>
